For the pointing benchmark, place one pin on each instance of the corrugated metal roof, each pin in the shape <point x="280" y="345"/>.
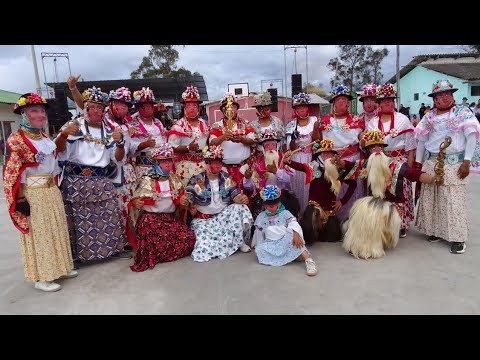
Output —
<point x="8" y="97"/>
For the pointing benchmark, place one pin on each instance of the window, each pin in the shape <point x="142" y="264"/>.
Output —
<point x="238" y="91"/>
<point x="415" y="97"/>
<point x="475" y="91"/>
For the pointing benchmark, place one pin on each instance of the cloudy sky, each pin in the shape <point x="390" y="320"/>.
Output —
<point x="220" y="65"/>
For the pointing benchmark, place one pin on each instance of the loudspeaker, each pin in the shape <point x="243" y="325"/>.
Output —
<point x="296" y="84"/>
<point x="273" y="93"/>
<point x="57" y="114"/>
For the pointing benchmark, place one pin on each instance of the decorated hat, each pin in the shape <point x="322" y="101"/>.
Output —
<point x="29" y="99"/>
<point x="121" y="94"/>
<point x="95" y="95"/>
<point x="268" y="135"/>
<point x="144" y="96"/>
<point x="264" y="99"/>
<point x="270" y="192"/>
<point x="191" y="95"/>
<point x="369" y="90"/>
<point x="163" y="152"/>
<point x="340" y="90"/>
<point x="386" y="91"/>
<point x="300" y="99"/>
<point x="441" y="86"/>
<point x="326" y="145"/>
<point x="374" y="137"/>
<point x="226" y="97"/>
<point x="212" y="152"/>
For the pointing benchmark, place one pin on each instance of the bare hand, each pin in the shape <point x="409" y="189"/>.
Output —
<point x="131" y="131"/>
<point x="272" y="168"/>
<point x="437" y="180"/>
<point x="117" y="135"/>
<point x="227" y="134"/>
<point x="193" y="210"/>
<point x="138" y="203"/>
<point x="193" y="146"/>
<point x="184" y="201"/>
<point x="72" y="81"/>
<point x="248" y="174"/>
<point x="297" y="242"/>
<point x="71" y="129"/>
<point x="337" y="205"/>
<point x="150" y="143"/>
<point x="316" y="125"/>
<point x="463" y="170"/>
<point x="241" y="199"/>
<point x="287" y="157"/>
<point x="237" y="139"/>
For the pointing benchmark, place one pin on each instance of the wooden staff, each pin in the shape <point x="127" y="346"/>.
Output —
<point x="301" y="148"/>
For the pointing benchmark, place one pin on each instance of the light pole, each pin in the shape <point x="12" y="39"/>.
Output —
<point x="35" y="70"/>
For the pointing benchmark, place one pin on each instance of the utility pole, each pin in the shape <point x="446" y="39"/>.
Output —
<point x="35" y="70"/>
<point x="398" y="76"/>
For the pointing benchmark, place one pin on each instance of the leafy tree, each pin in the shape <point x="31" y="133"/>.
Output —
<point x="312" y="89"/>
<point x="472" y="48"/>
<point x="160" y="62"/>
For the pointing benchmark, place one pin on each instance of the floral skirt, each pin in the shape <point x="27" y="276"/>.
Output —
<point x="223" y="234"/>
<point x="278" y="252"/>
<point x="161" y="238"/>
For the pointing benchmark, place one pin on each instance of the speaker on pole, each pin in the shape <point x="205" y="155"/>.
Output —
<point x="273" y="93"/>
<point x="296" y="84"/>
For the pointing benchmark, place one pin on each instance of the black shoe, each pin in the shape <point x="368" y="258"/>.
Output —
<point x="123" y="255"/>
<point x="76" y="264"/>
<point x="458" y="248"/>
<point x="434" y="239"/>
<point x="403" y="233"/>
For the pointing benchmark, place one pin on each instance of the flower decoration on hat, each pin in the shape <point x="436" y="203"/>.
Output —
<point x="441" y="86"/>
<point x="229" y="96"/>
<point x="212" y="152"/>
<point x="270" y="192"/>
<point x="369" y="90"/>
<point x="268" y="135"/>
<point x="386" y="91"/>
<point x="262" y="99"/>
<point x="144" y="96"/>
<point x="122" y="94"/>
<point x="191" y="94"/>
<point x="301" y="99"/>
<point x="163" y="151"/>
<point x="95" y="95"/>
<point x="374" y="137"/>
<point x="325" y="145"/>
<point x="29" y="99"/>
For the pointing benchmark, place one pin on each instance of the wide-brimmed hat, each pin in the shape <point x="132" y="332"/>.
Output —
<point x="212" y="152"/>
<point x="326" y="145"/>
<point x="95" y="95"/>
<point x="441" y="86"/>
<point x="226" y="97"/>
<point x="264" y="99"/>
<point x="270" y="193"/>
<point x="300" y="99"/>
<point x="340" y="90"/>
<point x="191" y="94"/>
<point x="374" y="137"/>
<point x="163" y="152"/>
<point x="268" y="135"/>
<point x="27" y="100"/>
<point x="144" y="96"/>
<point x="386" y="91"/>
<point x="369" y="90"/>
<point x="122" y="94"/>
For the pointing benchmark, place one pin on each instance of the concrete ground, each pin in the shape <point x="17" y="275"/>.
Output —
<point x="417" y="277"/>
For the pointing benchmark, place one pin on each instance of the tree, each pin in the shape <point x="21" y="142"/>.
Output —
<point x="160" y="62"/>
<point x="472" y="48"/>
<point x="312" y="89"/>
<point x="357" y="65"/>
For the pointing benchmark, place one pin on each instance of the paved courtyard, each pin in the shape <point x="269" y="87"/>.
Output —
<point x="417" y="277"/>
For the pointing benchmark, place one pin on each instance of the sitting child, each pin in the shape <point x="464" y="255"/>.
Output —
<point x="278" y="238"/>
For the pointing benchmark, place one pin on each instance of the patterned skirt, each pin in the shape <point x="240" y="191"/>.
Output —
<point x="278" y="252"/>
<point x="408" y="213"/>
<point x="343" y="212"/>
<point x="161" y="238"/>
<point x="94" y="218"/>
<point x="186" y="169"/>
<point x="46" y="249"/>
<point x="297" y="183"/>
<point x="442" y="210"/>
<point x="223" y="234"/>
<point x="125" y="193"/>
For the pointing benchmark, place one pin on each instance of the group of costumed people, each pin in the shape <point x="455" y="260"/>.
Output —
<point x="111" y="182"/>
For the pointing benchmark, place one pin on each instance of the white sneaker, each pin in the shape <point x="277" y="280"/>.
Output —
<point x="245" y="248"/>
<point x="70" y="275"/>
<point x="311" y="267"/>
<point x="48" y="286"/>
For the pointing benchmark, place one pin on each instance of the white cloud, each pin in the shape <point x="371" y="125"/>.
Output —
<point x="219" y="64"/>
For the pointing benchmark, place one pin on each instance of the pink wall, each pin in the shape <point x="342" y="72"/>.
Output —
<point x="248" y="112"/>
